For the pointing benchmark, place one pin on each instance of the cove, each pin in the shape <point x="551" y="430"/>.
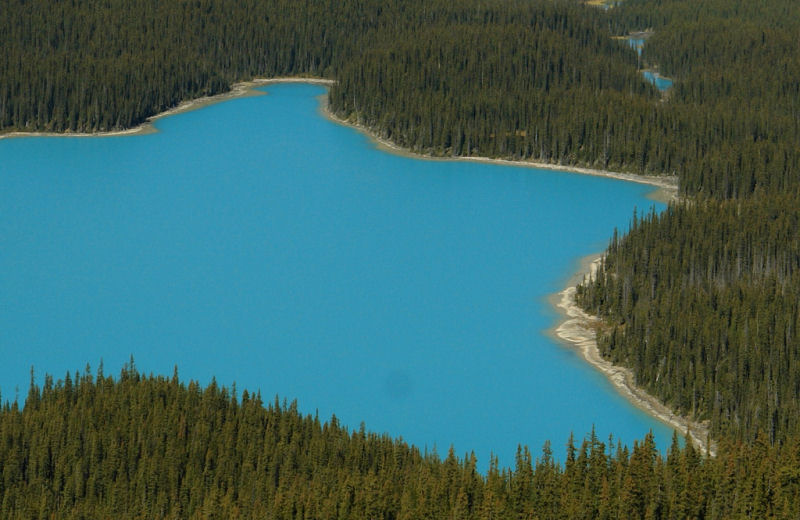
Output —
<point x="257" y="242"/>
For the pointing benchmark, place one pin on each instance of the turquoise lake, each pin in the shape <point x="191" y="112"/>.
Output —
<point x="259" y="243"/>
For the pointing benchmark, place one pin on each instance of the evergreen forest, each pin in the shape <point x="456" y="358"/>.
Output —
<point x="700" y="301"/>
<point x="92" y="446"/>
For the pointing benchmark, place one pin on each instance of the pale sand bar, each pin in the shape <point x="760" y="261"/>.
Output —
<point x="243" y="89"/>
<point x="667" y="184"/>
<point x="579" y="330"/>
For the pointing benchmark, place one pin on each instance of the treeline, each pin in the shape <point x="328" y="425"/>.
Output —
<point x="94" y="65"/>
<point x="153" y="447"/>
<point x="523" y="87"/>
<point x="518" y="79"/>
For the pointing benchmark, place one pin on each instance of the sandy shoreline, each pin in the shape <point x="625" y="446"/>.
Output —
<point x="243" y="89"/>
<point x="667" y="185"/>
<point x="578" y="330"/>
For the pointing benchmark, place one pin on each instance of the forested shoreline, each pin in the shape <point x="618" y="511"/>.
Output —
<point x="540" y="80"/>
<point x="700" y="301"/>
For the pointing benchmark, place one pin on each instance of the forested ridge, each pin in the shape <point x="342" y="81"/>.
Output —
<point x="92" y="446"/>
<point x="700" y="301"/>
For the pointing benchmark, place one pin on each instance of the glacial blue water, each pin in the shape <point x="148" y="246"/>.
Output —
<point x="257" y="242"/>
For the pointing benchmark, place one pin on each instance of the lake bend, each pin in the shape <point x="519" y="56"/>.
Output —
<point x="257" y="242"/>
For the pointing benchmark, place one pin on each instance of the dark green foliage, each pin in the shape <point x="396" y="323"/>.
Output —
<point x="101" y="65"/>
<point x="539" y="79"/>
<point x="152" y="447"/>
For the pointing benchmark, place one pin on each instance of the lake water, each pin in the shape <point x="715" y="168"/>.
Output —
<point x="257" y="242"/>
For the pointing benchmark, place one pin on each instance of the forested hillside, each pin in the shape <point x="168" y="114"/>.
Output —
<point x="151" y="447"/>
<point x="101" y="65"/>
<point x="505" y="78"/>
<point x="539" y="80"/>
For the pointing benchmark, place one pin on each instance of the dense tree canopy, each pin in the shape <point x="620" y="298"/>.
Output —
<point x="152" y="447"/>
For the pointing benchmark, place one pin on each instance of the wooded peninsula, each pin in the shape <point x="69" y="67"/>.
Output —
<point x="699" y="301"/>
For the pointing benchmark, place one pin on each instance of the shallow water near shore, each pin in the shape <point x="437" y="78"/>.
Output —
<point x="259" y="243"/>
